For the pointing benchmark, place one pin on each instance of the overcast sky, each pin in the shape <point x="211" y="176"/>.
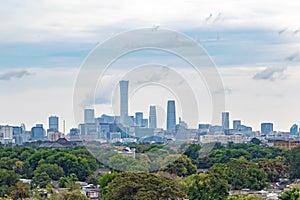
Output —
<point x="255" y="47"/>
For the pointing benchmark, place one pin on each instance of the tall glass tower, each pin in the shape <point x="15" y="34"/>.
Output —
<point x="138" y="119"/>
<point x="152" y="117"/>
<point x="124" y="102"/>
<point x="171" y="116"/>
<point x="225" y="121"/>
<point x="53" y="123"/>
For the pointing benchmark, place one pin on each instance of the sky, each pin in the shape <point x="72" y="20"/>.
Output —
<point x="255" y="47"/>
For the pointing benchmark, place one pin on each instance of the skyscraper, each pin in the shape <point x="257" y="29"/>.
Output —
<point x="124" y="102"/>
<point x="53" y="123"/>
<point x="266" y="128"/>
<point x="89" y="116"/>
<point x="171" y="116"/>
<point x="236" y="124"/>
<point x="225" y="121"/>
<point x="138" y="118"/>
<point x="294" y="130"/>
<point x="38" y="132"/>
<point x="152" y="117"/>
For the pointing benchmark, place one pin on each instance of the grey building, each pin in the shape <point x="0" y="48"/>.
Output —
<point x="38" y="132"/>
<point x="171" y="116"/>
<point x="236" y="124"/>
<point x="266" y="128"/>
<point x="139" y="119"/>
<point x="294" y="130"/>
<point x="53" y="124"/>
<point x="89" y="116"/>
<point x="124" y="102"/>
<point x="152" y="117"/>
<point x="225" y="121"/>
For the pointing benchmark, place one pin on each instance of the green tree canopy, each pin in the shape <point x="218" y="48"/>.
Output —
<point x="132" y="185"/>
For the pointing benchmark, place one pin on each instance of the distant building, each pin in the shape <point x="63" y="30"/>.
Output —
<point x="286" y="144"/>
<point x="294" y="130"/>
<point x="53" y="124"/>
<point x="74" y="134"/>
<point x="266" y="128"/>
<point x="124" y="102"/>
<point x="152" y="117"/>
<point x="171" y="116"/>
<point x="225" y="121"/>
<point x="222" y="138"/>
<point x="145" y="123"/>
<point x="236" y="124"/>
<point x="89" y="131"/>
<point x="203" y="126"/>
<point x="89" y="116"/>
<point x="53" y="136"/>
<point x="38" y="132"/>
<point x="138" y="119"/>
<point x="6" y="134"/>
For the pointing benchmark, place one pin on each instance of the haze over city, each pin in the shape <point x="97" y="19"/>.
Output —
<point x="255" y="48"/>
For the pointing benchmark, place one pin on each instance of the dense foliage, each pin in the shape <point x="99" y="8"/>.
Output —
<point x="236" y="166"/>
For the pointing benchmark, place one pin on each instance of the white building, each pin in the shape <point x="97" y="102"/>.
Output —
<point x="6" y="134"/>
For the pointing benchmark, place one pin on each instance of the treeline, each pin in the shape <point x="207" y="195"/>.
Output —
<point x="173" y="173"/>
<point x="42" y="166"/>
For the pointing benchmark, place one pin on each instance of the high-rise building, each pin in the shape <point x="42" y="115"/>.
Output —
<point x="89" y="116"/>
<point x="225" y="121"/>
<point x="236" y="124"/>
<point x="124" y="102"/>
<point x="145" y="123"/>
<point x="6" y="134"/>
<point x="138" y="118"/>
<point x="294" y="130"/>
<point x="171" y="116"/>
<point x="53" y="124"/>
<point x="152" y="117"/>
<point x="38" y="132"/>
<point x="266" y="128"/>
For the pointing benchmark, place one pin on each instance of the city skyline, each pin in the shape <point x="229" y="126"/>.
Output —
<point x="255" y="49"/>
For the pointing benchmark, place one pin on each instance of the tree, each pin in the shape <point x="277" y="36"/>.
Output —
<point x="105" y="179"/>
<point x="66" y="195"/>
<point x="294" y="159"/>
<point x="8" y="178"/>
<point x="244" y="174"/>
<point x="181" y="166"/>
<point x="42" y="180"/>
<point x="125" y="163"/>
<point x="255" y="141"/>
<point x="210" y="186"/>
<point x="20" y="191"/>
<point x="132" y="185"/>
<point x="192" y="151"/>
<point x="68" y="182"/>
<point x="53" y="170"/>
<point x="273" y="168"/>
<point x="292" y="194"/>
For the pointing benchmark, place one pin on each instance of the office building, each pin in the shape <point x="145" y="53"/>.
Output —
<point x="53" y="124"/>
<point x="225" y="121"/>
<point x="6" y="134"/>
<point x="138" y="119"/>
<point x="38" y="132"/>
<point x="203" y="126"/>
<point x="152" y="117"/>
<point x="171" y="116"/>
<point x="236" y="124"/>
<point x="294" y="130"/>
<point x="89" y="116"/>
<point x="124" y="102"/>
<point x="266" y="128"/>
